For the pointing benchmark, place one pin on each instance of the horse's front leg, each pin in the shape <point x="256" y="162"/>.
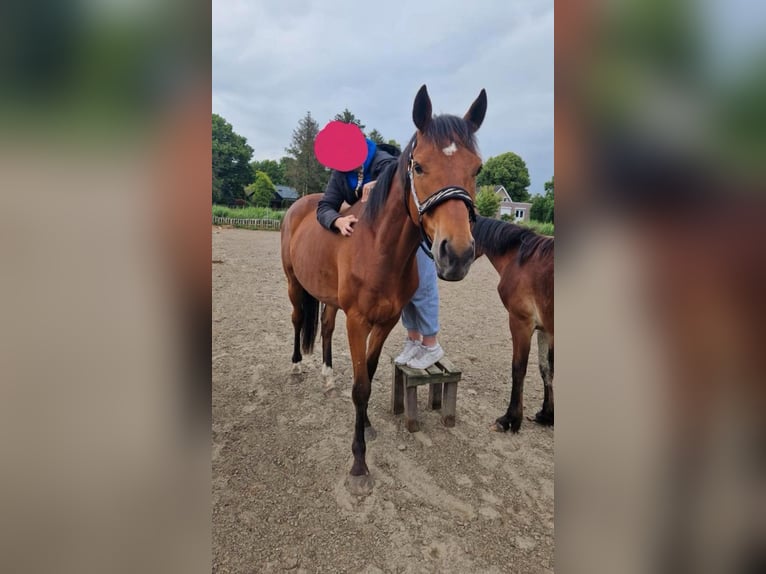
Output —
<point x="521" y="335"/>
<point x="360" y="482"/>
<point x="378" y="336"/>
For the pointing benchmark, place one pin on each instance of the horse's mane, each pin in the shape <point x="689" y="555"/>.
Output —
<point x="380" y="192"/>
<point x="441" y="130"/>
<point x="496" y="237"/>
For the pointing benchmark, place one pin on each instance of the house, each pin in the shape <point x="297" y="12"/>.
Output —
<point x="284" y="196"/>
<point x="518" y="210"/>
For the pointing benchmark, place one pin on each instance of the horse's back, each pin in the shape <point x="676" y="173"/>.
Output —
<point x="304" y="207"/>
<point x="309" y="251"/>
<point x="298" y="211"/>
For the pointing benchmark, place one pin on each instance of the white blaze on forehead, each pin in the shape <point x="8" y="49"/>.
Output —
<point x="450" y="149"/>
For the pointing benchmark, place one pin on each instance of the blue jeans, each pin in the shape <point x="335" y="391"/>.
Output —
<point x="421" y="314"/>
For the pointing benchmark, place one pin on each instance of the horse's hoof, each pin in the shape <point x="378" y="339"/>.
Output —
<point x="327" y="372"/>
<point x="330" y="392"/>
<point x="370" y="434"/>
<point x="515" y="424"/>
<point x="501" y="425"/>
<point x="360" y="485"/>
<point x="296" y="370"/>
<point x="497" y="427"/>
<point x="544" y="418"/>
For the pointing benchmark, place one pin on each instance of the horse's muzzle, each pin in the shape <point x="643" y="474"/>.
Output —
<point x="452" y="265"/>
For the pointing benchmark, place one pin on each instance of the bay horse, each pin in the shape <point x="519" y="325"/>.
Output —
<point x="373" y="274"/>
<point x="524" y="261"/>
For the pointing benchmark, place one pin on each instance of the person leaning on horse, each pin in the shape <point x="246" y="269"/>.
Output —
<point x="427" y="195"/>
<point x="356" y="163"/>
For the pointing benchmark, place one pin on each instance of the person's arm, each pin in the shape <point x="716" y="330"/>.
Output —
<point x="329" y="205"/>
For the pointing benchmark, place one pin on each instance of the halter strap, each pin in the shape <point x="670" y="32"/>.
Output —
<point x="359" y="182"/>
<point x="444" y="194"/>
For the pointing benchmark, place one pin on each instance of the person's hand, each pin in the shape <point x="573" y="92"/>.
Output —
<point x="367" y="189"/>
<point x="344" y="224"/>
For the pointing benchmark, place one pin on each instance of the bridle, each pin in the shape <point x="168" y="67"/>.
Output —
<point x="433" y="200"/>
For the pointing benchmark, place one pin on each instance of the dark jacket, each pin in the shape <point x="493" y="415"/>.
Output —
<point x="339" y="189"/>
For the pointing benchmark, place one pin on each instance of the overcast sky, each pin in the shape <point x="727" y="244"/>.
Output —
<point x="274" y="60"/>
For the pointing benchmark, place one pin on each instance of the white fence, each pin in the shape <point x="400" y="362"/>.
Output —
<point x="272" y="224"/>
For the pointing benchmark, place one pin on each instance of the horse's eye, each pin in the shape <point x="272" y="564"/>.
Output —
<point x="418" y="169"/>
<point x="478" y="171"/>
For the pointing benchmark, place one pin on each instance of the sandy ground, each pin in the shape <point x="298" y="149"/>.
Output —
<point x="460" y="499"/>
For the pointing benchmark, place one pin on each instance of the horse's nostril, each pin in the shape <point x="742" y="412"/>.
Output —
<point x="443" y="249"/>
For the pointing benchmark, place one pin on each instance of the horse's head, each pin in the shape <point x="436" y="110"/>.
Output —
<point x="442" y="164"/>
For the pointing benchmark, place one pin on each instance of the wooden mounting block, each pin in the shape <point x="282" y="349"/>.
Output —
<point x="441" y="378"/>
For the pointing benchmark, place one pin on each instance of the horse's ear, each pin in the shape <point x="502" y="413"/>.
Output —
<point x="475" y="114"/>
<point x="421" y="110"/>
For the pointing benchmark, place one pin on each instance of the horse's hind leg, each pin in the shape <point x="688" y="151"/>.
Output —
<point x="521" y="333"/>
<point x="295" y="292"/>
<point x="328" y="327"/>
<point x="545" y="359"/>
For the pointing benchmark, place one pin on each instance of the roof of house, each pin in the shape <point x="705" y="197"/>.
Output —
<point x="286" y="192"/>
<point x="506" y="198"/>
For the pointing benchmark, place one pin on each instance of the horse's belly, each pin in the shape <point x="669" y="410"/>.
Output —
<point x="322" y="285"/>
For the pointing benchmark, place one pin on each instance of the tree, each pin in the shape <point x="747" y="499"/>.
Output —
<point x="284" y="164"/>
<point x="261" y="190"/>
<point x="303" y="171"/>
<point x="349" y="118"/>
<point x="375" y="136"/>
<point x="217" y="196"/>
<point x="542" y="205"/>
<point x="508" y="170"/>
<point x="274" y="169"/>
<point x="231" y="157"/>
<point x="487" y="202"/>
<point x="378" y="138"/>
<point x="549" y="199"/>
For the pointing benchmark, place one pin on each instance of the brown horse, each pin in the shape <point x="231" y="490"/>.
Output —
<point x="524" y="261"/>
<point x="373" y="274"/>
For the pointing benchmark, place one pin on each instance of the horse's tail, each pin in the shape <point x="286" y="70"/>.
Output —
<point x="310" y="321"/>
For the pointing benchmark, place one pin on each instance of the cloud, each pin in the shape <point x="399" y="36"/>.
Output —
<point x="274" y="61"/>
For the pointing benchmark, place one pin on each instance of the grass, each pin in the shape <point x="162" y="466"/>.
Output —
<point x="266" y="213"/>
<point x="247" y="212"/>
<point x="538" y="226"/>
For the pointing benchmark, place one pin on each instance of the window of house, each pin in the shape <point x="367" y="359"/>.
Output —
<point x="519" y="214"/>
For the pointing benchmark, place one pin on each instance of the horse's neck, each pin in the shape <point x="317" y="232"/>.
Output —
<point x="396" y="235"/>
<point x="501" y="260"/>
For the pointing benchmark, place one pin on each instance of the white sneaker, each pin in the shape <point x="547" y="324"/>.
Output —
<point x="427" y="357"/>
<point x="411" y="349"/>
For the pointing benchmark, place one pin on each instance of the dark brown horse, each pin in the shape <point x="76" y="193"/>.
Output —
<point x="373" y="274"/>
<point x="524" y="261"/>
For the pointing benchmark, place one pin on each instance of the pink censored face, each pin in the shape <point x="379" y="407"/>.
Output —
<point x="340" y="146"/>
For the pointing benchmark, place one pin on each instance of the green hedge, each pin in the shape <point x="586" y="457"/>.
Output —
<point x="539" y="227"/>
<point x="247" y="212"/>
